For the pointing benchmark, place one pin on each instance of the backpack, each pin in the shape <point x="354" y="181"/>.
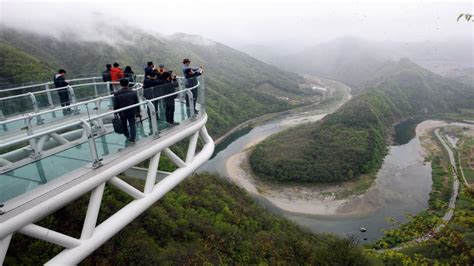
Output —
<point x="117" y="123"/>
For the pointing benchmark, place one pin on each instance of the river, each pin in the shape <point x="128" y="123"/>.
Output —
<point x="402" y="186"/>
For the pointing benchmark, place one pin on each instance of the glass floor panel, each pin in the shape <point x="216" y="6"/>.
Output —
<point x="28" y="177"/>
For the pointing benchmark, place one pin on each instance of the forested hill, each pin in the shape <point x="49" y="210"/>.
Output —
<point x="352" y="140"/>
<point x="232" y="77"/>
<point x="205" y="220"/>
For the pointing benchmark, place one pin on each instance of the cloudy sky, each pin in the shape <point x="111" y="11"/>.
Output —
<point x="243" y="22"/>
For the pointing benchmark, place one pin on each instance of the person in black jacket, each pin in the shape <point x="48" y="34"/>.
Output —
<point x="128" y="74"/>
<point x="169" y="87"/>
<point x="106" y="76"/>
<point x="151" y="90"/>
<point x="106" y="73"/>
<point x="123" y="98"/>
<point x="190" y="74"/>
<point x="148" y="69"/>
<point x="60" y="82"/>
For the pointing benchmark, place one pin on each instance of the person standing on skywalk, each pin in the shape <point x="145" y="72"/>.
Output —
<point x="60" y="82"/>
<point x="190" y="74"/>
<point x="116" y="74"/>
<point x="123" y="98"/>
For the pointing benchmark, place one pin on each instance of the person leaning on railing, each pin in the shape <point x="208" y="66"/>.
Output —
<point x="123" y="98"/>
<point x="151" y="91"/>
<point x="169" y="86"/>
<point x="148" y="69"/>
<point x="106" y="76"/>
<point x="60" y="82"/>
<point x="190" y="74"/>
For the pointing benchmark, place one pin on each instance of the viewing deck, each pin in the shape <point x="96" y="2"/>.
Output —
<point x="50" y="156"/>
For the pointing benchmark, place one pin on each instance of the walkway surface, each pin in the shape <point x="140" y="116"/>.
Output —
<point x="30" y="176"/>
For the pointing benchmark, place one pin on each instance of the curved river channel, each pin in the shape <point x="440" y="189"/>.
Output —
<point x="402" y="186"/>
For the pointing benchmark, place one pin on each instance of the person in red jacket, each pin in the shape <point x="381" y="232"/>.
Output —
<point x="116" y="74"/>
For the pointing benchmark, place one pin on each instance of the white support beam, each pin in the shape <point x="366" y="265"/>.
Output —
<point x="21" y="219"/>
<point x="127" y="214"/>
<point x="192" y="147"/>
<point x="41" y="209"/>
<point x="92" y="212"/>
<point x="50" y="236"/>
<point x="4" y="243"/>
<point x="60" y="139"/>
<point x="151" y="175"/>
<point x="174" y="158"/>
<point x="125" y="187"/>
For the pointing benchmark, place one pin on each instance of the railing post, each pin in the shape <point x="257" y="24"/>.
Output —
<point x="32" y="141"/>
<point x="201" y="98"/>
<point x="2" y="118"/>
<point x="154" y="124"/>
<point x="73" y="98"/>
<point x="100" y="121"/>
<point x="93" y="149"/>
<point x="95" y="88"/>
<point x="191" y="104"/>
<point x="39" y="121"/>
<point x="182" y="87"/>
<point x="111" y="105"/>
<point x="50" y="98"/>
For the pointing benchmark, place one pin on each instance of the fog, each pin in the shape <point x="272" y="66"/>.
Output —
<point x="279" y="24"/>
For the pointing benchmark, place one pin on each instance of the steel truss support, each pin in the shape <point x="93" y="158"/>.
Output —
<point x="93" y="235"/>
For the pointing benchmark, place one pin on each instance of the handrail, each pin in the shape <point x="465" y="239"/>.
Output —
<point x="79" y="119"/>
<point x="70" y="88"/>
<point x="46" y="83"/>
<point x="51" y="83"/>
<point x="32" y="115"/>
<point x="57" y="89"/>
<point x="18" y="118"/>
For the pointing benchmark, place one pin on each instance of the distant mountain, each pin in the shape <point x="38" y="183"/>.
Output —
<point x="355" y="61"/>
<point x="349" y="60"/>
<point x="353" y="140"/>
<point x="233" y="78"/>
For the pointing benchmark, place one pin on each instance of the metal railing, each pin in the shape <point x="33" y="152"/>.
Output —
<point x="15" y="101"/>
<point x="94" y="122"/>
<point x="97" y="163"/>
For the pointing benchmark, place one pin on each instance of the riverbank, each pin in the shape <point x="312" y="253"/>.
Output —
<point x="449" y="216"/>
<point x="340" y="95"/>
<point x="322" y="199"/>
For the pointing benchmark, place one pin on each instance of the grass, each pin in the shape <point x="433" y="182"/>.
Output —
<point x="467" y="158"/>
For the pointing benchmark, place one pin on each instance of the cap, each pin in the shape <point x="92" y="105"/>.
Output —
<point x="161" y="65"/>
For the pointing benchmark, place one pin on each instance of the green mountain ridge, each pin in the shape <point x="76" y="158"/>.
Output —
<point x="352" y="141"/>
<point x="232" y="77"/>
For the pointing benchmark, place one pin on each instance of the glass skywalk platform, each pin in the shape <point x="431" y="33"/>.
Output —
<point x="30" y="176"/>
<point x="20" y="176"/>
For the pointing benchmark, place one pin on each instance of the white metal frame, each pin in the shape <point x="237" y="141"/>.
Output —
<point x="23" y="218"/>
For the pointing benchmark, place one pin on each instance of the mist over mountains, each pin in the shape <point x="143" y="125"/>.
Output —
<point x="355" y="60"/>
<point x="233" y="78"/>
